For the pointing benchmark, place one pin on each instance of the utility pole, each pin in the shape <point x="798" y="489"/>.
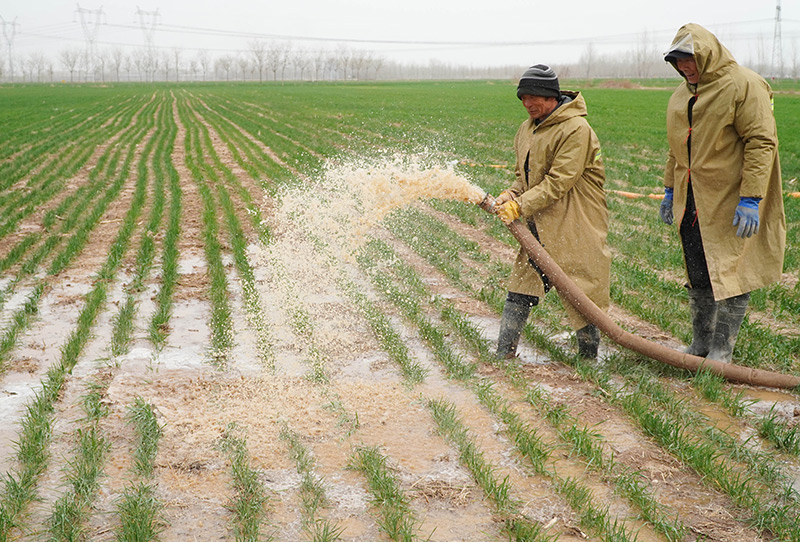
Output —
<point x="777" y="48"/>
<point x="91" y="27"/>
<point x="9" y="37"/>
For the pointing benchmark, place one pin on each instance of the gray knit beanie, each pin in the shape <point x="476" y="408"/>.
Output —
<point x="538" y="80"/>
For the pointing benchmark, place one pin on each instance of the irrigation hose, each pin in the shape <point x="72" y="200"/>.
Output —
<point x="578" y="299"/>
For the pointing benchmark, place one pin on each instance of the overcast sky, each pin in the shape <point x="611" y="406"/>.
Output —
<point x="467" y="32"/>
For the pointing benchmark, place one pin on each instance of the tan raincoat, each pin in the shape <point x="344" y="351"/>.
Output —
<point x="734" y="152"/>
<point x="563" y="194"/>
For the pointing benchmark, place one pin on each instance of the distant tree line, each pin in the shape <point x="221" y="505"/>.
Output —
<point x="282" y="61"/>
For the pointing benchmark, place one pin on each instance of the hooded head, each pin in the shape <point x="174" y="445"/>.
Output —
<point x="539" y="80"/>
<point x="692" y="40"/>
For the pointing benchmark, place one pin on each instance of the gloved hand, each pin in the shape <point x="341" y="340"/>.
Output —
<point x="666" y="206"/>
<point x="503" y="197"/>
<point x="508" y="211"/>
<point x="746" y="217"/>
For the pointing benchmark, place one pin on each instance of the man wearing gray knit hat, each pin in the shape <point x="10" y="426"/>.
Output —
<point x="559" y="192"/>
<point x="538" y="80"/>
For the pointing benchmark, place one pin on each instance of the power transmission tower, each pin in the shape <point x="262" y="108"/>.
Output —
<point x="91" y="28"/>
<point x="148" y="20"/>
<point x="9" y="37"/>
<point x="777" y="48"/>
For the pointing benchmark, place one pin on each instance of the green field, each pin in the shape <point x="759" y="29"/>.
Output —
<point x="185" y="353"/>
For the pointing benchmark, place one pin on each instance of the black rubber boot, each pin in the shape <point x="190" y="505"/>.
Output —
<point x="704" y="319"/>
<point x="730" y="313"/>
<point x="588" y="341"/>
<point x="515" y="315"/>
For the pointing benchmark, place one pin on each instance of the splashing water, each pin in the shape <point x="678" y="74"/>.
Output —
<point x="351" y="198"/>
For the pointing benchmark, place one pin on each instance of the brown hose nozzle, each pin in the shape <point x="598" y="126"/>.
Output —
<point x="487" y="204"/>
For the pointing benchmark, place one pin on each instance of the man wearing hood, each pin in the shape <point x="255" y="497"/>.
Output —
<point x="559" y="191"/>
<point x="723" y="179"/>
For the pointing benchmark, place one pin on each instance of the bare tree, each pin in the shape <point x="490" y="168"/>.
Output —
<point x="643" y="55"/>
<point x="37" y="63"/>
<point x="166" y="63"/>
<point x="244" y="63"/>
<point x="224" y="64"/>
<point x="343" y="57"/>
<point x="259" y="52"/>
<point x="116" y="57"/>
<point x="588" y="59"/>
<point x="302" y="61"/>
<point x="204" y="60"/>
<point x="127" y="65"/>
<point x="69" y="58"/>
<point x="176" y="62"/>
<point x="278" y="58"/>
<point x="378" y="63"/>
<point x="194" y="67"/>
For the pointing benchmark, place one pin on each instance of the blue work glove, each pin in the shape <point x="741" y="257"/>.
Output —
<point x="746" y="217"/>
<point x="666" y="206"/>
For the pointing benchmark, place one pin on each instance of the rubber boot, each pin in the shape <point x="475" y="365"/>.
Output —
<point x="704" y="319"/>
<point x="730" y="313"/>
<point x="515" y="314"/>
<point x="588" y="341"/>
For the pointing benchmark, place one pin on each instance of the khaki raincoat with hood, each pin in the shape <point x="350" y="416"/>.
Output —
<point x="559" y="187"/>
<point x="734" y="152"/>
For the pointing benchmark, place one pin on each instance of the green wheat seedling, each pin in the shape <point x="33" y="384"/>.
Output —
<point x="141" y="514"/>
<point x="221" y="317"/>
<point x="390" y="340"/>
<point x="159" y="322"/>
<point x="785" y="437"/>
<point x="123" y="327"/>
<point x="139" y="509"/>
<point x="397" y="520"/>
<point x="498" y="491"/>
<point x="83" y="472"/>
<point x="148" y="434"/>
<point x="229" y="133"/>
<point x="704" y="457"/>
<point x="248" y="504"/>
<point x="312" y="492"/>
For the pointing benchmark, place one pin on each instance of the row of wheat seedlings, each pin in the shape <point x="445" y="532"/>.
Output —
<point x="49" y="189"/>
<point x="583" y="442"/>
<point x="71" y="510"/>
<point x="139" y="509"/>
<point x="312" y="492"/>
<point x="238" y="240"/>
<point x="221" y="323"/>
<point x="767" y="515"/>
<point x="76" y="227"/>
<point x="528" y="443"/>
<point x="123" y="324"/>
<point x="36" y="426"/>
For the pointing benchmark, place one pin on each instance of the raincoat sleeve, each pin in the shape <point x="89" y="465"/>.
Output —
<point x="519" y="180"/>
<point x="755" y="124"/>
<point x="669" y="171"/>
<point x="570" y="157"/>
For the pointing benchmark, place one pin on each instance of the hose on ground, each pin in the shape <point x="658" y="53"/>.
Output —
<point x="578" y="299"/>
